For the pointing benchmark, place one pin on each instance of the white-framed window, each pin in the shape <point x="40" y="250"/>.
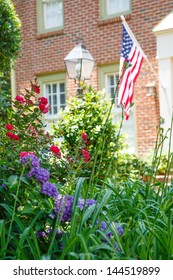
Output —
<point x="113" y="8"/>
<point x="53" y="87"/>
<point x="50" y="15"/>
<point x="56" y="95"/>
<point x="53" y="13"/>
<point x="111" y="81"/>
<point x="108" y="80"/>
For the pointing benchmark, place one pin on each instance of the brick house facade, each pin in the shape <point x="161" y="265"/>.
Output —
<point x="43" y="51"/>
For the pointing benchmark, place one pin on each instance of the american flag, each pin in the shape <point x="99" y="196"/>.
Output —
<point x="130" y="65"/>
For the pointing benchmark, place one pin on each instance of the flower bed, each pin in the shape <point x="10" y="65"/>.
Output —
<point x="71" y="201"/>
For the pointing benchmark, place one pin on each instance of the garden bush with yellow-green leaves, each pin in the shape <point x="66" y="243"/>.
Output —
<point x="89" y="136"/>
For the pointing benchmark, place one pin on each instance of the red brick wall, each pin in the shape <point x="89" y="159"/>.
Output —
<point x="42" y="54"/>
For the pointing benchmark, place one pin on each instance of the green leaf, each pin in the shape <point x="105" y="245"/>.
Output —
<point x="25" y="180"/>
<point x="13" y="180"/>
<point x="100" y="206"/>
<point x="28" y="210"/>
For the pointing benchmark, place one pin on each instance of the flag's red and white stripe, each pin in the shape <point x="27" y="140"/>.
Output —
<point x="129" y="74"/>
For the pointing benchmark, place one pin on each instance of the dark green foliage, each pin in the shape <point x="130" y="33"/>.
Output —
<point x="146" y="211"/>
<point x="9" y="34"/>
<point x="10" y="39"/>
<point x="5" y="100"/>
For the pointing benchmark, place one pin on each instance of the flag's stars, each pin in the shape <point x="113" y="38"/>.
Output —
<point x="127" y="44"/>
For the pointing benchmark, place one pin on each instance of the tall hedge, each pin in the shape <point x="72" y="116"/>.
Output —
<point x="10" y="38"/>
<point x="10" y="34"/>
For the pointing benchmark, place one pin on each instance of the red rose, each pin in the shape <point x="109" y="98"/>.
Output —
<point x="84" y="136"/>
<point x="46" y="110"/>
<point x="86" y="155"/>
<point x="9" y="126"/>
<point x="42" y="106"/>
<point x="35" y="88"/>
<point x="12" y="136"/>
<point x="20" y="99"/>
<point x="56" y="150"/>
<point x="43" y="100"/>
<point x="16" y="137"/>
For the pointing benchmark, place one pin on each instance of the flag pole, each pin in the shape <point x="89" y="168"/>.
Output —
<point x="144" y="55"/>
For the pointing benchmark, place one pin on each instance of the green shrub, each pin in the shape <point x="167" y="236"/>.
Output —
<point x="10" y="39"/>
<point x="5" y="100"/>
<point x="90" y="139"/>
<point x="132" y="166"/>
<point x="10" y="34"/>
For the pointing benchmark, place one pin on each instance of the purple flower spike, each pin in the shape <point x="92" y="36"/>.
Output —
<point x="103" y="226"/>
<point x="118" y="248"/>
<point x="63" y="207"/>
<point x="33" y="160"/>
<point x="40" y="174"/>
<point x="49" y="189"/>
<point x="119" y="229"/>
<point x="88" y="202"/>
<point x="58" y="233"/>
<point x="41" y="234"/>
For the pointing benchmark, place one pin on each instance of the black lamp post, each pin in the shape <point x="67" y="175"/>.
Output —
<point x="79" y="64"/>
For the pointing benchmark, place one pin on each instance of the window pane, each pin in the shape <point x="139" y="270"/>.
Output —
<point x="62" y="99"/>
<point x="62" y="87"/>
<point x="50" y="111"/>
<point x="54" y="88"/>
<point x="112" y="92"/>
<point x="111" y="80"/>
<point x="54" y="99"/>
<point x="48" y="89"/>
<point x="53" y="14"/>
<point x="111" y="85"/>
<point x="49" y="100"/>
<point x="117" y="6"/>
<point x="117" y="79"/>
<point x="55" y="110"/>
<point x="55" y="92"/>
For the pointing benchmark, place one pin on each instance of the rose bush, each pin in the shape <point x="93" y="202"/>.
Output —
<point x="23" y="129"/>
